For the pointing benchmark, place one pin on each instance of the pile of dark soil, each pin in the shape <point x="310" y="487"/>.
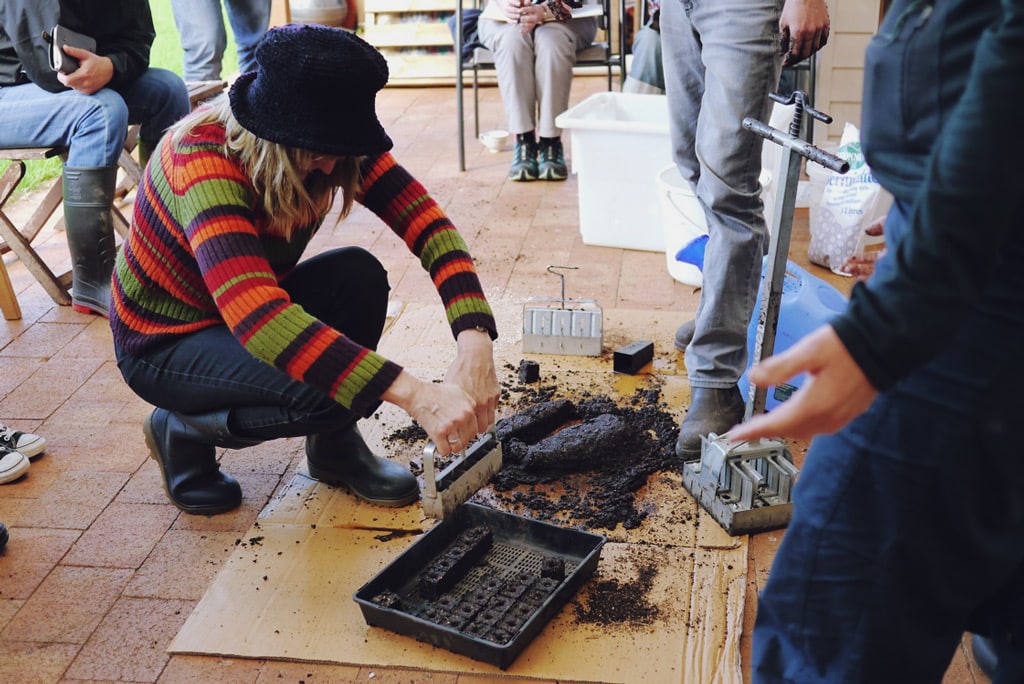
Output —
<point x="577" y="460"/>
<point x="582" y="460"/>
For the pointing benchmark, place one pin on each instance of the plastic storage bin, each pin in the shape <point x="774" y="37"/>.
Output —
<point x="807" y="303"/>
<point x="620" y="142"/>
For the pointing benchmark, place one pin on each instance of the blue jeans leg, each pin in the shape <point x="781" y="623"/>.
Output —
<point x="720" y="62"/>
<point x="93" y="126"/>
<point x="203" y="37"/>
<point x="210" y="371"/>
<point x="249" y="20"/>
<point x="157" y="99"/>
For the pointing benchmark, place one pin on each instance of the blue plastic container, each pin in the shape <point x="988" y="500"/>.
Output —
<point x="808" y="302"/>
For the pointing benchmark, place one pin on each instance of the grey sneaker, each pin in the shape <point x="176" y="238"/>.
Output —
<point x="551" y="161"/>
<point x="25" y="442"/>
<point x="524" y="162"/>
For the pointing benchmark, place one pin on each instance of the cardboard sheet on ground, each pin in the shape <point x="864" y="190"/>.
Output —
<point x="286" y="592"/>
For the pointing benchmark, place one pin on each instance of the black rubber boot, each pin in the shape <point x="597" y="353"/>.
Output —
<point x="711" y="410"/>
<point x="185" y="448"/>
<point x="4" y="536"/>
<point x="684" y="334"/>
<point x="342" y="458"/>
<point x="88" y="199"/>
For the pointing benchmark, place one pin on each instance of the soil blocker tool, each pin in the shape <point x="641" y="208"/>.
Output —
<point x="562" y="326"/>
<point x="747" y="487"/>
<point x="467" y="472"/>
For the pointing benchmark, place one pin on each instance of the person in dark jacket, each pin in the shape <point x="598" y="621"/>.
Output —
<point x="908" y="522"/>
<point x="87" y="110"/>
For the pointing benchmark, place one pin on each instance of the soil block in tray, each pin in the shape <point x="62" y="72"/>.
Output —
<point x="495" y="591"/>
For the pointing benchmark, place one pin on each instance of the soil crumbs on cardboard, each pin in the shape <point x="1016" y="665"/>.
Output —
<point x="580" y="462"/>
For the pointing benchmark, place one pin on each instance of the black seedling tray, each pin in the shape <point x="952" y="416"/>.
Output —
<point x="486" y="600"/>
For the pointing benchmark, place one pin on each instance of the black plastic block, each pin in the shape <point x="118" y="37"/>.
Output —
<point x="633" y="357"/>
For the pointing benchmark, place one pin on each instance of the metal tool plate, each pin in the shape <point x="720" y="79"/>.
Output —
<point x="461" y="478"/>
<point x="746" y="487"/>
<point x="556" y="326"/>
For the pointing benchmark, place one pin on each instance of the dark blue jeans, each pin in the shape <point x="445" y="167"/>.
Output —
<point x="908" y="524"/>
<point x="211" y="371"/>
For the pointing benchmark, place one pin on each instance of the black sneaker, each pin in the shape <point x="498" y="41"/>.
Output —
<point x="524" y="162"/>
<point x="551" y="165"/>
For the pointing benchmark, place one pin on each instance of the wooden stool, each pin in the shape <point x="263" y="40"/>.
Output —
<point x="20" y="240"/>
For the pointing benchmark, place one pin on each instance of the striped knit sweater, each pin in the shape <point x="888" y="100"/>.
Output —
<point x="195" y="258"/>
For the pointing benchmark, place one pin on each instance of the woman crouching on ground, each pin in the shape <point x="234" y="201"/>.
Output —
<point x="218" y="324"/>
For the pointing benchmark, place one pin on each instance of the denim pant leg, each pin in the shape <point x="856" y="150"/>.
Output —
<point x="210" y="370"/>
<point x="157" y="99"/>
<point x="93" y="127"/>
<point x="249" y="20"/>
<point x="203" y="37"/>
<point x="720" y="61"/>
<point x="908" y="524"/>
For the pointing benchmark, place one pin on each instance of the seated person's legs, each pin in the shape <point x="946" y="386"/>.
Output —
<point x="93" y="128"/>
<point x="556" y="45"/>
<point x="157" y="100"/>
<point x="513" y="63"/>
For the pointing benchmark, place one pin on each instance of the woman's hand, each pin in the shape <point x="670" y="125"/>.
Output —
<point x="473" y="370"/>
<point x="834" y="392"/>
<point x="444" y="410"/>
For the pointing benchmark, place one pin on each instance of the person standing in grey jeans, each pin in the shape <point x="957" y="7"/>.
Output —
<point x="721" y="59"/>
<point x="204" y="36"/>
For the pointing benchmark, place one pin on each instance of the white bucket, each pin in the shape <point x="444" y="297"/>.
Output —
<point x="682" y="220"/>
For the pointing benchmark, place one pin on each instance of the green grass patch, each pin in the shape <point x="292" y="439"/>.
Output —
<point x="166" y="54"/>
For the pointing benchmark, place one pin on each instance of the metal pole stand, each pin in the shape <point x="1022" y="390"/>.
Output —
<point x="747" y="487"/>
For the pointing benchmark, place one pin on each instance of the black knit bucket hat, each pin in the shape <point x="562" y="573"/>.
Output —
<point x="314" y="88"/>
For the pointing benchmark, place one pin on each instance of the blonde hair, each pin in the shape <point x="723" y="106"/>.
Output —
<point x="289" y="199"/>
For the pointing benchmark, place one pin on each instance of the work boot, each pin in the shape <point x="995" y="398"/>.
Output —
<point x="188" y="459"/>
<point x="342" y="458"/>
<point x="684" y="334"/>
<point x="88" y="200"/>
<point x="711" y="410"/>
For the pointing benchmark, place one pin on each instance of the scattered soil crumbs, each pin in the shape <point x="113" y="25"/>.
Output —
<point x="609" y="601"/>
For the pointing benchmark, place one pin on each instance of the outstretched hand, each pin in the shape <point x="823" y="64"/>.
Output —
<point x="834" y="392"/>
<point x="803" y="29"/>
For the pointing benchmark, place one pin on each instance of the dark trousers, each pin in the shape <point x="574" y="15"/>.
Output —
<point x="211" y="371"/>
<point x="908" y="524"/>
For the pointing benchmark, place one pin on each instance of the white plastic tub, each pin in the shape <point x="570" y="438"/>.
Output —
<point x="620" y="142"/>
